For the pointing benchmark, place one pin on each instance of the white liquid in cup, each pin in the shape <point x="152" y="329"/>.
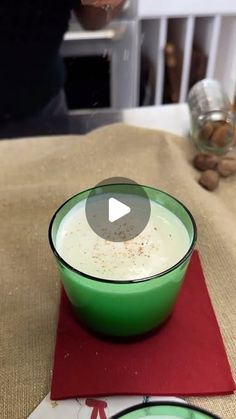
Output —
<point x="162" y="244"/>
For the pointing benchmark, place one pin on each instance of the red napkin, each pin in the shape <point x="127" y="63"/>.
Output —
<point x="186" y="357"/>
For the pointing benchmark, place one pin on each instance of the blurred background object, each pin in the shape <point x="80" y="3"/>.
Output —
<point x="152" y="54"/>
<point x="212" y="117"/>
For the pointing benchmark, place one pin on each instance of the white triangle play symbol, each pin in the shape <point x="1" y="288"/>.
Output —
<point x="117" y="210"/>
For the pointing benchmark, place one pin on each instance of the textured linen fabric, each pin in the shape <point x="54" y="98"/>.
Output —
<point x="36" y="176"/>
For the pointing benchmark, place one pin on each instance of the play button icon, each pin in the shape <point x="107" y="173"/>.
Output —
<point x="117" y="209"/>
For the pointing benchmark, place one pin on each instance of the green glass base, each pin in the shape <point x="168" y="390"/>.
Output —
<point x="124" y="308"/>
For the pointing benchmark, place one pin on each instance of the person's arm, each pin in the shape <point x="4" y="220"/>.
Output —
<point x="95" y="14"/>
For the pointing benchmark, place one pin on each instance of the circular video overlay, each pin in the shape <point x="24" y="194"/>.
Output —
<point x="118" y="209"/>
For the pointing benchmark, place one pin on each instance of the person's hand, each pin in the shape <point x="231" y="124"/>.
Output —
<point x="104" y="4"/>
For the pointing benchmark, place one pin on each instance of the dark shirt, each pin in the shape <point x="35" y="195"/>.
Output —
<point x="31" y="71"/>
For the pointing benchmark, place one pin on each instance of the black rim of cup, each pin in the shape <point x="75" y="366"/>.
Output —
<point x="97" y="279"/>
<point x="164" y="403"/>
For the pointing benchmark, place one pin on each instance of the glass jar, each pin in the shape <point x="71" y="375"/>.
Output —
<point x="212" y="117"/>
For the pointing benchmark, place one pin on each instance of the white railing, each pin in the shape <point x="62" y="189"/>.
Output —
<point x="150" y="24"/>
<point x="211" y="26"/>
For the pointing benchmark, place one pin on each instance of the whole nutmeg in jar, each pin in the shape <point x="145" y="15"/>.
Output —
<point x="212" y="117"/>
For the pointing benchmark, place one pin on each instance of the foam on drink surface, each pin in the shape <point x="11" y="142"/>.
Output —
<point x="162" y="243"/>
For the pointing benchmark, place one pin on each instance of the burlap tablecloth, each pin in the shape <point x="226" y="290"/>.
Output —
<point x="36" y="176"/>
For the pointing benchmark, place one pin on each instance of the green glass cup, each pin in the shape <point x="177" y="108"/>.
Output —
<point x="123" y="308"/>
<point x="164" y="410"/>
